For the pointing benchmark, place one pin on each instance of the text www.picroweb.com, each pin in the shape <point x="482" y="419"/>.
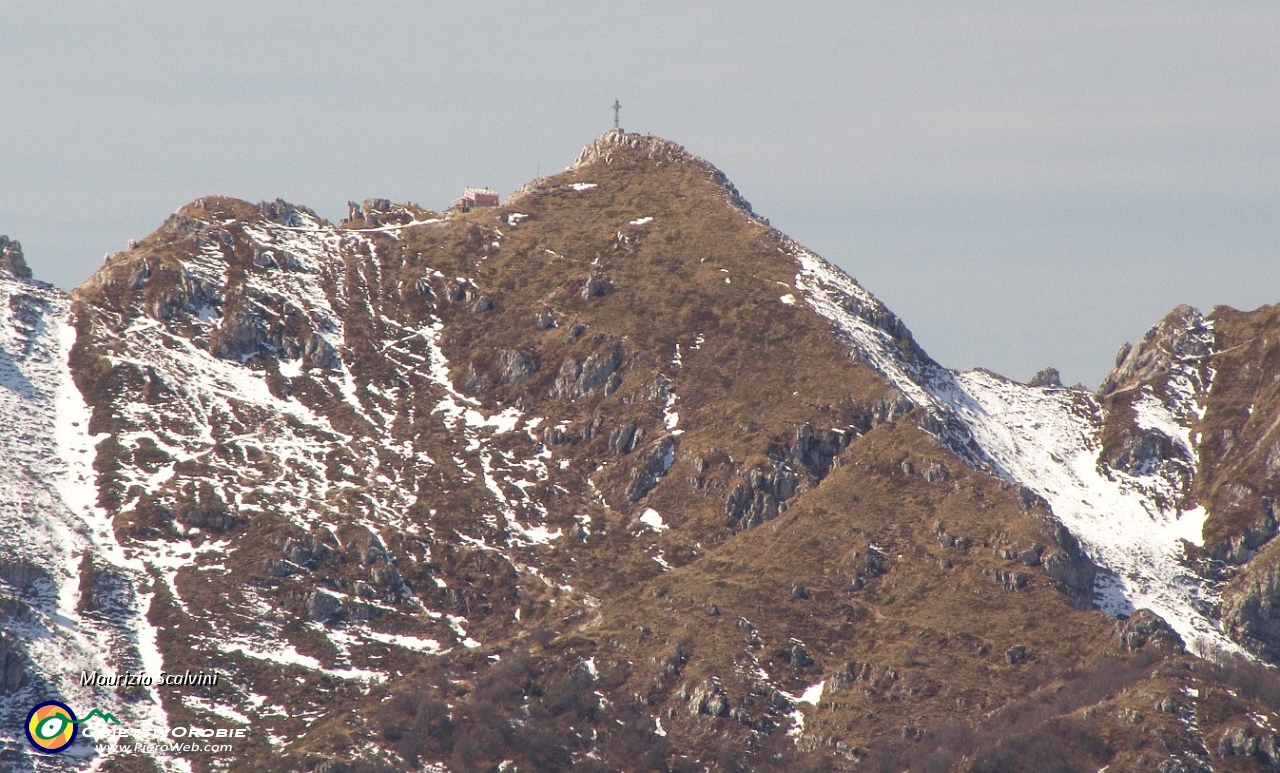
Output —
<point x="161" y="748"/>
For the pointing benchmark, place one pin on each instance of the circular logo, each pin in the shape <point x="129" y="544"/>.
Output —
<point x="51" y="727"/>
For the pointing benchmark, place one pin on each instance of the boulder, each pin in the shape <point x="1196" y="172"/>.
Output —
<point x="709" y="698"/>
<point x="304" y="550"/>
<point x="594" y="287"/>
<point x="1145" y="628"/>
<point x="323" y="607"/>
<point x="278" y="568"/>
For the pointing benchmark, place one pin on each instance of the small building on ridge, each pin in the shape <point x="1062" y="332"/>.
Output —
<point x="475" y="197"/>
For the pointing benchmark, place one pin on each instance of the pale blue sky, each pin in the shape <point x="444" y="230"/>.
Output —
<point x="1025" y="183"/>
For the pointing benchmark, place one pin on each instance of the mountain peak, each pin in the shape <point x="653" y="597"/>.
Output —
<point x="11" y="260"/>
<point x="624" y="149"/>
<point x="1181" y="338"/>
<point x="617" y="143"/>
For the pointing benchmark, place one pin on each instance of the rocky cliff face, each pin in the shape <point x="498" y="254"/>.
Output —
<point x="614" y="476"/>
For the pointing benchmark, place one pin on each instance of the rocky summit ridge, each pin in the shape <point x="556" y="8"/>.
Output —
<point x="614" y="476"/>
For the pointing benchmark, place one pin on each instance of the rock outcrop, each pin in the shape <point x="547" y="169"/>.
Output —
<point x="1251" y="607"/>
<point x="11" y="260"/>
<point x="1181" y="336"/>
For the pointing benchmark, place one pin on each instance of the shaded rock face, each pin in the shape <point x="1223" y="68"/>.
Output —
<point x="1071" y="567"/>
<point x="1251" y="607"/>
<point x="1048" y="378"/>
<point x="598" y="373"/>
<point x="12" y="666"/>
<point x="814" y="455"/>
<point x="23" y="574"/>
<point x="253" y="329"/>
<point x="11" y="260"/>
<point x="623" y="439"/>
<point x="1242" y="547"/>
<point x="104" y="590"/>
<point x="653" y="465"/>
<point x="323" y="606"/>
<point x="758" y="498"/>
<point x="515" y="367"/>
<point x="1250" y="741"/>
<point x="306" y="550"/>
<point x="797" y="465"/>
<point x="1138" y="452"/>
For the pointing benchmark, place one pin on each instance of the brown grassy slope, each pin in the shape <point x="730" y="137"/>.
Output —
<point x="763" y="370"/>
<point x="1240" y="434"/>
<point x="932" y="631"/>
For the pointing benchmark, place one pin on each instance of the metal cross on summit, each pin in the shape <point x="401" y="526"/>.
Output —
<point x="617" y="107"/>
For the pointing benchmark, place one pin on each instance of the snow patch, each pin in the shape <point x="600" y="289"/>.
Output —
<point x="1152" y="414"/>
<point x="653" y="519"/>
<point x="813" y="693"/>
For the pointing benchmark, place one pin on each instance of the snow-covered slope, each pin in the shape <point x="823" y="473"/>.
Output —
<point x="80" y="602"/>
<point x="1132" y="526"/>
<point x="274" y="417"/>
